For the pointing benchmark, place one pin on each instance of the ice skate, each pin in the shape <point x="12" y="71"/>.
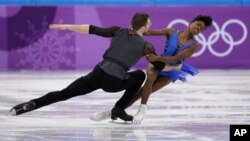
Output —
<point x="100" y="116"/>
<point x="120" y="113"/>
<point x="23" y="108"/>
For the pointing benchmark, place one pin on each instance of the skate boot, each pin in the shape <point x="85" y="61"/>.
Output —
<point x="101" y="116"/>
<point x="23" y="108"/>
<point x="120" y="113"/>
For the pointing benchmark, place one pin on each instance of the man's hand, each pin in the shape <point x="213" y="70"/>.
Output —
<point x="140" y="114"/>
<point x="58" y="26"/>
<point x="152" y="58"/>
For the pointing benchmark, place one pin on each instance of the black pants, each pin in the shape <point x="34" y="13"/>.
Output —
<point x="93" y="81"/>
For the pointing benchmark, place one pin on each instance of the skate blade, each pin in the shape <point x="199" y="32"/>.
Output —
<point x="136" y="122"/>
<point x="121" y="122"/>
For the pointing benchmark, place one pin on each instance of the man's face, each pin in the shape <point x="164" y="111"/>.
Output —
<point x="148" y="24"/>
<point x="196" y="27"/>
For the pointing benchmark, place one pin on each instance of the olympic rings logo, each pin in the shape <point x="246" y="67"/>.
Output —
<point x="213" y="37"/>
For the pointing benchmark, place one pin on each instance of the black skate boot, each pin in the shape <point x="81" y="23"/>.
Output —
<point x="120" y="113"/>
<point x="23" y="108"/>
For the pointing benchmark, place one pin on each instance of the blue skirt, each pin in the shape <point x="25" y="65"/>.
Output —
<point x="181" y="74"/>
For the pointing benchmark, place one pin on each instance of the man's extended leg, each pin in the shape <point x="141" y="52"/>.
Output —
<point x="81" y="86"/>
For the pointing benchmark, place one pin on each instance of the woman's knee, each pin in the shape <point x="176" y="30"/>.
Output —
<point x="151" y="75"/>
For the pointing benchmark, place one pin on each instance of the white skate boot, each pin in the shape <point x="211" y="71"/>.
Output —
<point x="100" y="116"/>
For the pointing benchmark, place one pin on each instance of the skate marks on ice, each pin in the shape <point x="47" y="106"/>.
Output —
<point x="200" y="110"/>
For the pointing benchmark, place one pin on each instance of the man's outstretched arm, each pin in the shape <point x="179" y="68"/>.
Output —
<point x="87" y="29"/>
<point x="83" y="28"/>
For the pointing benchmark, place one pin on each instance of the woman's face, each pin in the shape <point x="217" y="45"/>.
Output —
<point x="196" y="27"/>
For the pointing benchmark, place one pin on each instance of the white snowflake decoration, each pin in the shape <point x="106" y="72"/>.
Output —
<point x="48" y="51"/>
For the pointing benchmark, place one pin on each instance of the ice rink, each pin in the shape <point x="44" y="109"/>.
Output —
<point x="200" y="110"/>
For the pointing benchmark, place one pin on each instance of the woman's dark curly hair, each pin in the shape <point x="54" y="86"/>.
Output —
<point x="206" y="19"/>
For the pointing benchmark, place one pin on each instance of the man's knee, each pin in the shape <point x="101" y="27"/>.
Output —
<point x="141" y="75"/>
